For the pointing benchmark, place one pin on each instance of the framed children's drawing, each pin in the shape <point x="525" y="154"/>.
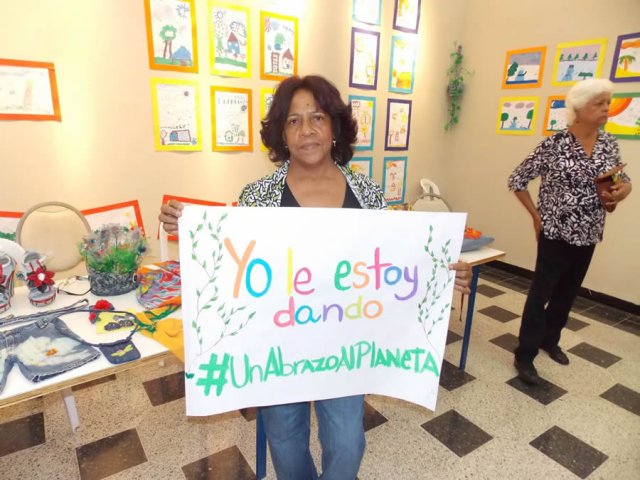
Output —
<point x="9" y="224"/>
<point x="524" y="68"/>
<point x="517" y="115"/>
<point x="363" y="165"/>
<point x="577" y="61"/>
<point x="124" y="213"/>
<point x="624" y="116"/>
<point x="229" y="40"/>
<point x="266" y="99"/>
<point x="398" y="124"/>
<point x="171" y="35"/>
<point x="186" y="201"/>
<point x="394" y="176"/>
<point x="176" y="115"/>
<point x="278" y="46"/>
<point x="28" y="91"/>
<point x="365" y="48"/>
<point x="363" y="110"/>
<point x="231" y="119"/>
<point x="626" y="59"/>
<point x="406" y="15"/>
<point x="555" y="116"/>
<point x="367" y="11"/>
<point x="403" y="59"/>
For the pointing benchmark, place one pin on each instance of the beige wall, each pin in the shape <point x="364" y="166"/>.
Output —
<point x="481" y="161"/>
<point x="102" y="152"/>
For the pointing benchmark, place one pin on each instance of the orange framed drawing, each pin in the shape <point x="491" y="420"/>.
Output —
<point x="124" y="213"/>
<point x="278" y="46"/>
<point x="28" y="91"/>
<point x="187" y="201"/>
<point x="231" y="119"/>
<point x="9" y="224"/>
<point x="171" y="35"/>
<point x="524" y="68"/>
<point x="555" y="116"/>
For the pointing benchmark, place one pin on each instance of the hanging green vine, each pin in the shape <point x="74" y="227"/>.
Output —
<point x="455" y="86"/>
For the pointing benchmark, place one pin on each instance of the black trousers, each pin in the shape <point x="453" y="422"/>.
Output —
<point x="560" y="270"/>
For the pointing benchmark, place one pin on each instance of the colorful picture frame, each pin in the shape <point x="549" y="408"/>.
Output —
<point x="398" y="124"/>
<point x="363" y="65"/>
<point x="278" y="46"/>
<point x="123" y="213"/>
<point x="28" y="91"/>
<point x="266" y="99"/>
<point x="186" y="201"/>
<point x="524" y="68"/>
<point x="402" y="64"/>
<point x="394" y="179"/>
<point x="229" y="39"/>
<point x="575" y="61"/>
<point x="367" y="11"/>
<point x="406" y="15"/>
<point x="172" y="40"/>
<point x="363" y="165"/>
<point x="517" y="115"/>
<point x="555" y="115"/>
<point x="9" y="225"/>
<point x="176" y="114"/>
<point x="231" y="119"/>
<point x="626" y="59"/>
<point x="624" y="116"/>
<point x="363" y="110"/>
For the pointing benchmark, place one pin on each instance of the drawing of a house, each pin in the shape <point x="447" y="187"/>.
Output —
<point x="233" y="46"/>
<point x="287" y="60"/>
<point x="182" y="56"/>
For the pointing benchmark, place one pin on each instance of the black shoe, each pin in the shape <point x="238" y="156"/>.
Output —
<point x="557" y="355"/>
<point x="527" y="372"/>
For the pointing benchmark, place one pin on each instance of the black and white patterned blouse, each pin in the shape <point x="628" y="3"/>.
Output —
<point x="267" y="192"/>
<point x="567" y="199"/>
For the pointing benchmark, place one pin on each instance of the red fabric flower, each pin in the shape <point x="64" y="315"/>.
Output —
<point x="100" y="305"/>
<point x="40" y="278"/>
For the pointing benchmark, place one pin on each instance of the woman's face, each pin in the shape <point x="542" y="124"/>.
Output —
<point x="595" y="111"/>
<point x="308" y="131"/>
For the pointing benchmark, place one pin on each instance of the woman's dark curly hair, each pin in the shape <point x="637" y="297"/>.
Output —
<point x="327" y="96"/>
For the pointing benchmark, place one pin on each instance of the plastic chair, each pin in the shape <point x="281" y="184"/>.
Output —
<point x="54" y="230"/>
<point x="430" y="200"/>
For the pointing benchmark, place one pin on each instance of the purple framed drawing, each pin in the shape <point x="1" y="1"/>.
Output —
<point x="626" y="59"/>
<point x="398" y="124"/>
<point x="365" y="48"/>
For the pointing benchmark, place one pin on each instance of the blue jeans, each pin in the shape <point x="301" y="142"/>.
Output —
<point x="42" y="350"/>
<point x="340" y="431"/>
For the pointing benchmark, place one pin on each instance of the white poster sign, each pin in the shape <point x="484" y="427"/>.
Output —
<point x="284" y="305"/>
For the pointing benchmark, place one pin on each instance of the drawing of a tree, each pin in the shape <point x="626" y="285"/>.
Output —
<point x="512" y="69"/>
<point x="625" y="60"/>
<point x="168" y="35"/>
<point x="530" y="118"/>
<point x="503" y="118"/>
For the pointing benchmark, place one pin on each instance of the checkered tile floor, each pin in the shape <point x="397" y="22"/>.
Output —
<point x="583" y="422"/>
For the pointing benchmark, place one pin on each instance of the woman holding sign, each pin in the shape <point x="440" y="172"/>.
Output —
<point x="309" y="131"/>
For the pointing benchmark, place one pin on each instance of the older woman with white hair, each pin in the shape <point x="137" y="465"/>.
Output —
<point x="569" y="218"/>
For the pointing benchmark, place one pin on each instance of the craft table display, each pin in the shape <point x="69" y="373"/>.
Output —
<point x="18" y="388"/>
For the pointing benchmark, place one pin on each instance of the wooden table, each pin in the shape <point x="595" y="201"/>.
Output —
<point x="18" y="388"/>
<point x="475" y="258"/>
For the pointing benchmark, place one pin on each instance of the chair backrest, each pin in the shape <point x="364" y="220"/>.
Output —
<point x="54" y="230"/>
<point x="430" y="200"/>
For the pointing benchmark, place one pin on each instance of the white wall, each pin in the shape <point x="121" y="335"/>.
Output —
<point x="476" y="175"/>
